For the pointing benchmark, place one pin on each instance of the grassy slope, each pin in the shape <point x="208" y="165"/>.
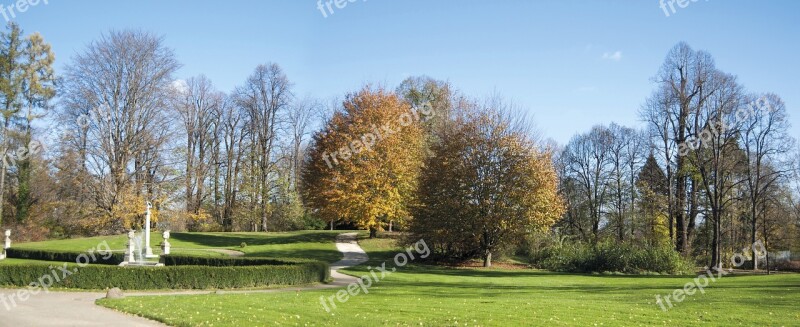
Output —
<point x="437" y="296"/>
<point x="317" y="245"/>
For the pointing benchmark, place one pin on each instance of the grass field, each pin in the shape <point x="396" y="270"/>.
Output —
<point x="432" y="296"/>
<point x="319" y="245"/>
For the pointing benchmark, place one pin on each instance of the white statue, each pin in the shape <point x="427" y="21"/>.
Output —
<point x="165" y="244"/>
<point x="131" y="248"/>
<point x="7" y="245"/>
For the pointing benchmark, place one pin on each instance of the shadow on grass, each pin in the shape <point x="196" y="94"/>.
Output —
<point x="235" y="239"/>
<point x="462" y="286"/>
<point x="329" y="256"/>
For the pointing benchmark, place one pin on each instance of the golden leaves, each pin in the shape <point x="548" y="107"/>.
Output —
<point x="364" y="166"/>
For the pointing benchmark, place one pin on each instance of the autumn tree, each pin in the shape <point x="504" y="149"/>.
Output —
<point x="486" y="185"/>
<point x="363" y="166"/>
<point x="420" y="91"/>
<point x="654" y="193"/>
<point x="11" y="79"/>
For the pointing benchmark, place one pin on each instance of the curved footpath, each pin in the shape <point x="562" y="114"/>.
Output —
<point x="78" y="308"/>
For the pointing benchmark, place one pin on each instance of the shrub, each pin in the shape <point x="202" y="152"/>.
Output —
<point x="614" y="257"/>
<point x="785" y="266"/>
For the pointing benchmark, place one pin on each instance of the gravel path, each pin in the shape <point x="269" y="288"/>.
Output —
<point x="78" y="308"/>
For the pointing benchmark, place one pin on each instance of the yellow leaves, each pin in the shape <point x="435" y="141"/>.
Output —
<point x="486" y="184"/>
<point x="378" y="163"/>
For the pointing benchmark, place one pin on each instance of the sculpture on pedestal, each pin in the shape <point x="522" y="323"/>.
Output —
<point x="165" y="244"/>
<point x="131" y="247"/>
<point x="6" y="245"/>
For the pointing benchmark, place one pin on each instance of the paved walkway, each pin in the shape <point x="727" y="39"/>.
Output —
<point x="78" y="308"/>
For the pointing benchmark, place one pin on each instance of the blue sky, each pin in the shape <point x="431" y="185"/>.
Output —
<point x="571" y="64"/>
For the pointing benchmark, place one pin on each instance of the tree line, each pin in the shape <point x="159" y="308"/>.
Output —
<point x="713" y="169"/>
<point x="123" y="130"/>
<point x="712" y="172"/>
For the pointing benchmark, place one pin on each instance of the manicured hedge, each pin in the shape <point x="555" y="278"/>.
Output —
<point x="65" y="256"/>
<point x="180" y="272"/>
<point x="174" y="277"/>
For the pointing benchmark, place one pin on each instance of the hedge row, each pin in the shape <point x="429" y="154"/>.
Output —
<point x="175" y="277"/>
<point x="65" y="256"/>
<point x="180" y="272"/>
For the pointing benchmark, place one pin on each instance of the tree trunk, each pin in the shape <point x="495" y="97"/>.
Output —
<point x="373" y="232"/>
<point x="680" y="209"/>
<point x="487" y="259"/>
<point x="753" y="235"/>
<point x="716" y="264"/>
<point x="766" y="246"/>
<point x="3" y="169"/>
<point x="264" y="199"/>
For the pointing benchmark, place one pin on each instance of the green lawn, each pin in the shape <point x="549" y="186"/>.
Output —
<point x="431" y="296"/>
<point x="317" y="245"/>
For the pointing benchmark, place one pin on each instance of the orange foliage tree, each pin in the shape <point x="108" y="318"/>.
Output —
<point x="486" y="186"/>
<point x="364" y="165"/>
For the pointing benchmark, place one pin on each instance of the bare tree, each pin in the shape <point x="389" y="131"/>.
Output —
<point x="656" y="113"/>
<point x="123" y="81"/>
<point x="681" y="81"/>
<point x="587" y="159"/>
<point x="265" y="94"/>
<point x="717" y="157"/>
<point x="299" y="120"/>
<point x="625" y="156"/>
<point x="197" y="103"/>
<point x="764" y="136"/>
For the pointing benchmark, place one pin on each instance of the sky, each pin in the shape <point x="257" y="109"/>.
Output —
<point x="569" y="64"/>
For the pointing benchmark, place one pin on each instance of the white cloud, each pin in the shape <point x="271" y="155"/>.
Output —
<point x="180" y="85"/>
<point x="615" y="56"/>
